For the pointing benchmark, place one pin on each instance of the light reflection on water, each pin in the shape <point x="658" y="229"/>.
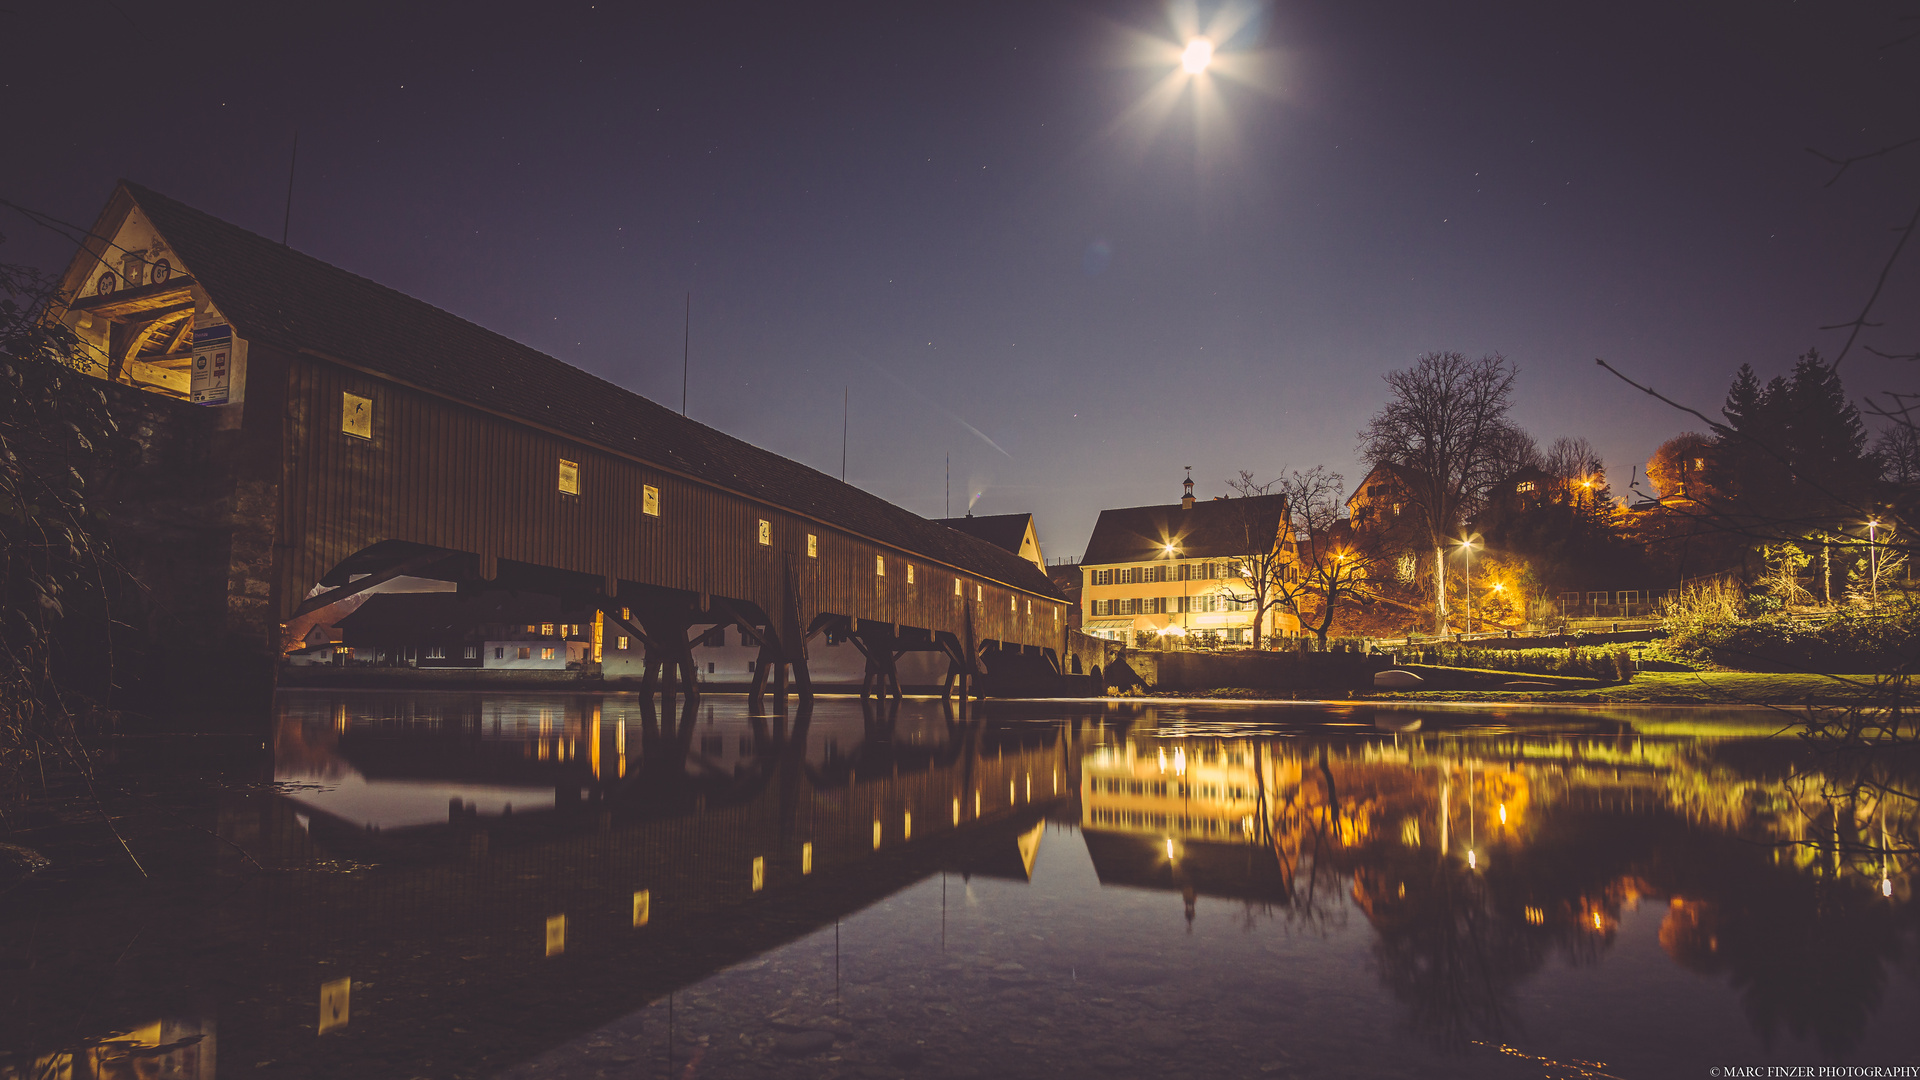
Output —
<point x="1129" y="890"/>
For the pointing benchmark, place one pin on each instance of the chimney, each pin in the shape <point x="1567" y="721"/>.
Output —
<point x="1186" y="497"/>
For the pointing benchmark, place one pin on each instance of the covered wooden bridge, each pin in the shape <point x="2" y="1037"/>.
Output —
<point x="309" y="435"/>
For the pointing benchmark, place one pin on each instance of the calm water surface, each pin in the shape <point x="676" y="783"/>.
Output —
<point x="518" y="885"/>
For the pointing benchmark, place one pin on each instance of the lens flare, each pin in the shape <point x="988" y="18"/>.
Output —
<point x="1198" y="54"/>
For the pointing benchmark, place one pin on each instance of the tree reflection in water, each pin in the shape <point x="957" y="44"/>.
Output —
<point x="1477" y="860"/>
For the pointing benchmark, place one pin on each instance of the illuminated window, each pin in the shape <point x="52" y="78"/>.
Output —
<point x="356" y="415"/>
<point x="766" y="532"/>
<point x="569" y="477"/>
<point x="1014" y="602"/>
<point x="1524" y="485"/>
<point x="879" y="566"/>
<point x="620" y="643"/>
<point x="813" y="546"/>
<point x="979" y="593"/>
<point x="546" y="654"/>
<point x="956" y="586"/>
<point x="909" y="573"/>
<point x="650" y="500"/>
<point x="546" y="629"/>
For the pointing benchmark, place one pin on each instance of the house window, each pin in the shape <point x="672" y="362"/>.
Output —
<point x="569" y="477"/>
<point x="750" y="664"/>
<point x="526" y="652"/>
<point x="473" y="652"/>
<point x="909" y="573"/>
<point x="1103" y="577"/>
<point x="436" y="652"/>
<point x="650" y="500"/>
<point x="766" y="532"/>
<point x="879" y="566"/>
<point x="1100" y="606"/>
<point x="530" y="629"/>
<point x="956" y="586"/>
<point x="546" y="629"/>
<point x="499" y="652"/>
<point x="1396" y="509"/>
<point x="1015" y="601"/>
<point x="356" y="415"/>
<point x="709" y="667"/>
<point x="813" y="546"/>
<point x="546" y="653"/>
<point x="1376" y="490"/>
<point x="620" y="643"/>
<point x="1524" y="485"/>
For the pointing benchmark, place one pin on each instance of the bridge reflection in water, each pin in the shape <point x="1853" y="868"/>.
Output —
<point x="538" y="877"/>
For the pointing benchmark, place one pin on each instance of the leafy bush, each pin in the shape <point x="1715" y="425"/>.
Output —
<point x="1850" y="643"/>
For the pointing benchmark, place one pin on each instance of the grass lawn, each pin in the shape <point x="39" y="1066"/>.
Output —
<point x="1676" y="688"/>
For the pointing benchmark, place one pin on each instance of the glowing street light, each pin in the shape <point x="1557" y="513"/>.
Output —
<point x="1873" y="560"/>
<point x="1466" y="549"/>
<point x="1197" y="55"/>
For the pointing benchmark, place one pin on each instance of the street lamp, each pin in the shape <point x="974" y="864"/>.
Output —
<point x="1873" y="561"/>
<point x="1173" y="553"/>
<point x="1466" y="549"/>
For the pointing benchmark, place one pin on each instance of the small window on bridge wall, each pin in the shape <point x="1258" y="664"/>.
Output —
<point x="569" y="477"/>
<point x="813" y="546"/>
<point x="879" y="566"/>
<point x="909" y="573"/>
<point x="650" y="500"/>
<point x="356" y="415"/>
<point x="766" y="532"/>
<point x="979" y="593"/>
<point x="956" y="586"/>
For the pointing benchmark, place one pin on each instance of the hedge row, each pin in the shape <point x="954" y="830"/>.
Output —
<point x="1587" y="662"/>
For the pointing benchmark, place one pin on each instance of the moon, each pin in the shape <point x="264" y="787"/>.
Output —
<point x="1198" y="54"/>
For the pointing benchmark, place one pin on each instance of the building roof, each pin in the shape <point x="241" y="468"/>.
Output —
<point x="1001" y="530"/>
<point x="279" y="296"/>
<point x="1220" y="528"/>
<point x="1400" y="474"/>
<point x="396" y="615"/>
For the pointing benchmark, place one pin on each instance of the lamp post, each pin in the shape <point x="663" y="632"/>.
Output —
<point x="1466" y="549"/>
<point x="1873" y="561"/>
<point x="1172" y="553"/>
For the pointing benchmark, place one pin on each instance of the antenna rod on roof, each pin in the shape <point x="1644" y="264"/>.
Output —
<point x="287" y="220"/>
<point x="686" y="351"/>
<point x="846" y="399"/>
<point x="949" y="510"/>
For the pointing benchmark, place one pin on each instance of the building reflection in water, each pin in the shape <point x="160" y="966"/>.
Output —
<point x="1475" y="860"/>
<point x="593" y="855"/>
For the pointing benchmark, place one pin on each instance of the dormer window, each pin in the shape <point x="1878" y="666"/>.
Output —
<point x="1524" y="486"/>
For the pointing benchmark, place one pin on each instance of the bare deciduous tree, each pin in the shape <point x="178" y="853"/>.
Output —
<point x="1447" y="431"/>
<point x="1259" y="577"/>
<point x="1328" y="570"/>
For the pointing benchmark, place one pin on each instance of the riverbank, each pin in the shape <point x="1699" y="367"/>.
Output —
<point x="1679" y="688"/>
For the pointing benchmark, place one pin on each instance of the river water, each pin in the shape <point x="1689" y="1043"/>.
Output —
<point x="529" y="885"/>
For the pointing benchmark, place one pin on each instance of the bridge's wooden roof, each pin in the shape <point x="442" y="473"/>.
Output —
<point x="279" y="296"/>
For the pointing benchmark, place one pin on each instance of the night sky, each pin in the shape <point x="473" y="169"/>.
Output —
<point x="1014" y="229"/>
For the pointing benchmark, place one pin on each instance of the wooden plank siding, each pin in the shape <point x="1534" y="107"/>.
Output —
<point x="446" y="474"/>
